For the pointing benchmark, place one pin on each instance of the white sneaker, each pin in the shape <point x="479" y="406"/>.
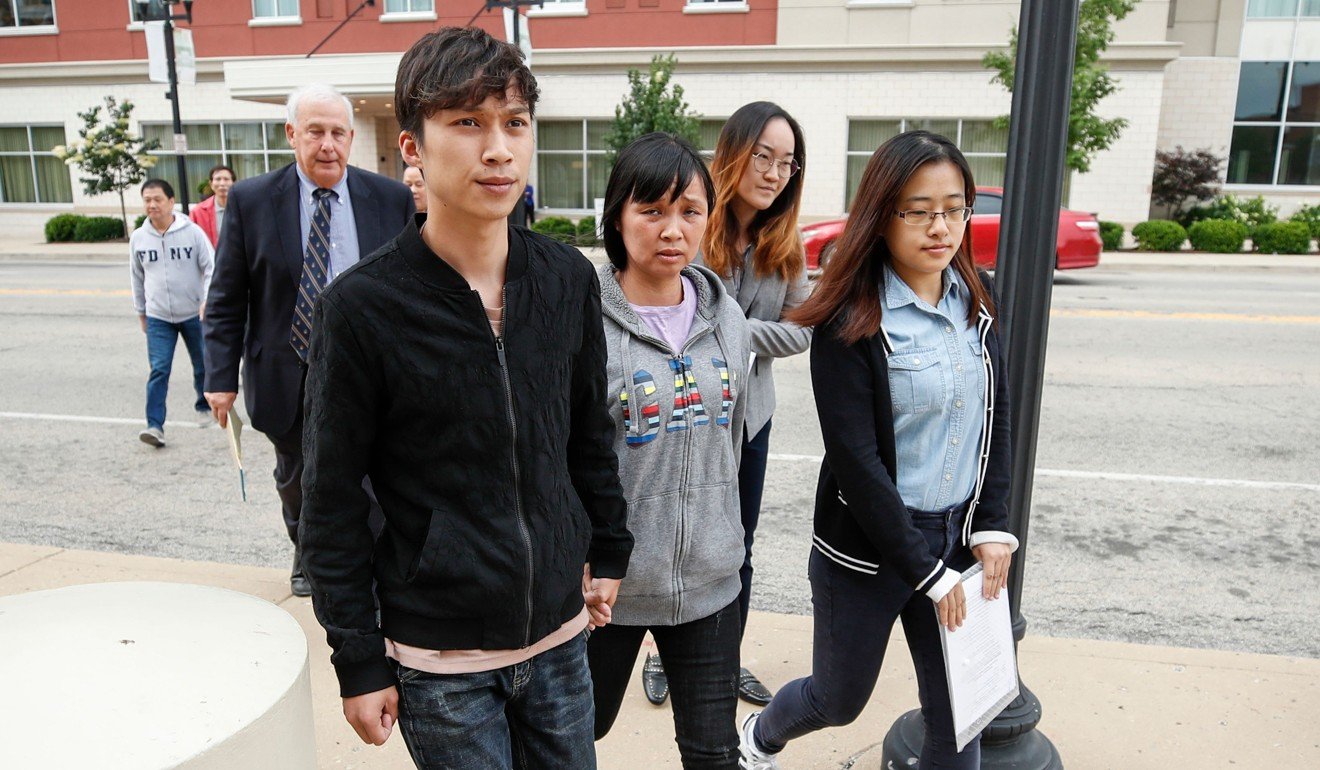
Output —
<point x="204" y="418"/>
<point x="153" y="436"/>
<point x="749" y="756"/>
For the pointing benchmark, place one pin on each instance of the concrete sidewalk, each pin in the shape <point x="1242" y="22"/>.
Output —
<point x="1105" y="704"/>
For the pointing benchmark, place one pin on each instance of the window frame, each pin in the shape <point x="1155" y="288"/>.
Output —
<point x="584" y="154"/>
<point x="716" y="6"/>
<point x="1281" y="125"/>
<point x="278" y="20"/>
<point x="553" y="8"/>
<point x="32" y="155"/>
<point x="18" y="30"/>
<point x="226" y="154"/>
<point x="387" y="16"/>
<point x="903" y="125"/>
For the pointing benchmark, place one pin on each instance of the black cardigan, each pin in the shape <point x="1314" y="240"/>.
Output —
<point x="491" y="457"/>
<point x="861" y="522"/>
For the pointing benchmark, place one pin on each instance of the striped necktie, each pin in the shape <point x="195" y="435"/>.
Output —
<point x="316" y="260"/>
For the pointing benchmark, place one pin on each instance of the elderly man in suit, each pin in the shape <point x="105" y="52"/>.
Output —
<point x="287" y="234"/>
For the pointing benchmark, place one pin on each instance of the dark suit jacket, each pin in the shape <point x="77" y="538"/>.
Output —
<point x="249" y="308"/>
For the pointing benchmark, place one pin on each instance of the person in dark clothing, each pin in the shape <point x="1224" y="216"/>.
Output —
<point x="286" y="235"/>
<point x="911" y="393"/>
<point x="462" y="367"/>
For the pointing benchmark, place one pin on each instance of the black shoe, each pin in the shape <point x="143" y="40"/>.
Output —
<point x="654" y="682"/>
<point x="751" y="690"/>
<point x="297" y="580"/>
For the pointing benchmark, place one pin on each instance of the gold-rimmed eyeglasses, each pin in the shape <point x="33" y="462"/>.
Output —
<point x="785" y="168"/>
<point x="920" y="217"/>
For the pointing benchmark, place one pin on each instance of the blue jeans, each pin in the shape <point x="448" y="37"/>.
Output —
<point x="751" y="483"/>
<point x="853" y="616"/>
<point x="537" y="714"/>
<point x="701" y="661"/>
<point x="161" y="339"/>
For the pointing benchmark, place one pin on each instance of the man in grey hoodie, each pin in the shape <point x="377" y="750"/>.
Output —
<point x="170" y="262"/>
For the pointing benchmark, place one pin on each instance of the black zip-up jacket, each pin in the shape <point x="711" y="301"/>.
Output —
<point x="491" y="457"/>
<point x="861" y="522"/>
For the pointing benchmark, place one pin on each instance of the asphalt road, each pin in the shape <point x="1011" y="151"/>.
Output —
<point x="1177" y="499"/>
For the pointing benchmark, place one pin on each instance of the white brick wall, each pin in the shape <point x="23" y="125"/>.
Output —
<point x="1198" y="102"/>
<point x="203" y="102"/>
<point x="1118" y="185"/>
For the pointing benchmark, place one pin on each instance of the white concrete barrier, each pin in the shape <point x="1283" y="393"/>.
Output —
<point x="152" y="675"/>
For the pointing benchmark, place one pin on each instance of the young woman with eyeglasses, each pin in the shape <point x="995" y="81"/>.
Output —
<point x="752" y="243"/>
<point x="909" y="381"/>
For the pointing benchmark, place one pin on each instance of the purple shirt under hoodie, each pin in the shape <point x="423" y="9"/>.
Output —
<point x="671" y="323"/>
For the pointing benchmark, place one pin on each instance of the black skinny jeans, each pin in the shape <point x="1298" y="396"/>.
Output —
<point x="701" y="661"/>
<point x="854" y="614"/>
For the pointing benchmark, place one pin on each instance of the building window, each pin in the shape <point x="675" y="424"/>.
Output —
<point x="708" y="135"/>
<point x="409" y="6"/>
<point x="1276" y="125"/>
<point x="28" y="171"/>
<point x="984" y="145"/>
<point x="1282" y="9"/>
<point x="25" y="14"/>
<point x="571" y="169"/>
<point x="274" y="9"/>
<point x="250" y="148"/>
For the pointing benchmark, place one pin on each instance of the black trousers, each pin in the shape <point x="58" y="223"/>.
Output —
<point x="751" y="483"/>
<point x="288" y="482"/>
<point x="701" y="661"/>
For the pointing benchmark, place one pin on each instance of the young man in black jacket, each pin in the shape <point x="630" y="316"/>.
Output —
<point x="462" y="367"/>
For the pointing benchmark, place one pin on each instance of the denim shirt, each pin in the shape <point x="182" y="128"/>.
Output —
<point x="343" y="228"/>
<point x="936" y="383"/>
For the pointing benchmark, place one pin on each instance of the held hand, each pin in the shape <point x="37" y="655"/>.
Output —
<point x="995" y="559"/>
<point x="952" y="609"/>
<point x="373" y="714"/>
<point x="599" y="595"/>
<point x="142" y="321"/>
<point x="221" y="403"/>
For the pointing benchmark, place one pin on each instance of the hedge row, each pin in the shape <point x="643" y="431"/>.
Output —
<point x="63" y="228"/>
<point x="562" y="229"/>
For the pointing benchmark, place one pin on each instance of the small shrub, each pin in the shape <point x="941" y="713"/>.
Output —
<point x="1252" y="212"/>
<point x="1309" y="215"/>
<point x="59" y="228"/>
<point x="1282" y="238"/>
<point x="1181" y="175"/>
<point x="138" y="222"/>
<point x="586" y="231"/>
<point x="1112" y="235"/>
<point x="1219" y="236"/>
<point x="93" y="229"/>
<point x="559" y="228"/>
<point x="1159" y="235"/>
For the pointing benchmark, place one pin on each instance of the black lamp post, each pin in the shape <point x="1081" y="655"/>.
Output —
<point x="163" y="10"/>
<point x="1033" y="187"/>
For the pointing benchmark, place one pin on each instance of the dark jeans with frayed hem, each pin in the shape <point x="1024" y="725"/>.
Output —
<point x="853" y="616"/>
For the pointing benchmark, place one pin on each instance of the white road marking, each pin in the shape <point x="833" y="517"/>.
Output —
<point x="1106" y="476"/>
<point x="1066" y="474"/>
<point x="86" y="418"/>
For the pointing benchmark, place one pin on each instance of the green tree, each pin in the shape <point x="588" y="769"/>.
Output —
<point x="1088" y="133"/>
<point x="652" y="104"/>
<point x="110" y="157"/>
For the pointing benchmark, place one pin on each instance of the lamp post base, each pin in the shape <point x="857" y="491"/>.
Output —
<point x="1021" y="746"/>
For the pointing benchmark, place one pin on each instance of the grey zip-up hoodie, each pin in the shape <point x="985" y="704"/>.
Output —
<point x="678" y="419"/>
<point x="170" y="272"/>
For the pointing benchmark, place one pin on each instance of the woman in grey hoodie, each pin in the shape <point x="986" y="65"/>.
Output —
<point x="678" y="356"/>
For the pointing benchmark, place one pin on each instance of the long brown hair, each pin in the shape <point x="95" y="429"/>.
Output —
<point x="774" y="231"/>
<point x="848" y="293"/>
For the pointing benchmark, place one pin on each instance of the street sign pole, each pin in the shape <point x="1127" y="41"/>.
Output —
<point x="1033" y="187"/>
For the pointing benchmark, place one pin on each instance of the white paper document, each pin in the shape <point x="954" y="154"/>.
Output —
<point x="980" y="661"/>
<point x="235" y="432"/>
